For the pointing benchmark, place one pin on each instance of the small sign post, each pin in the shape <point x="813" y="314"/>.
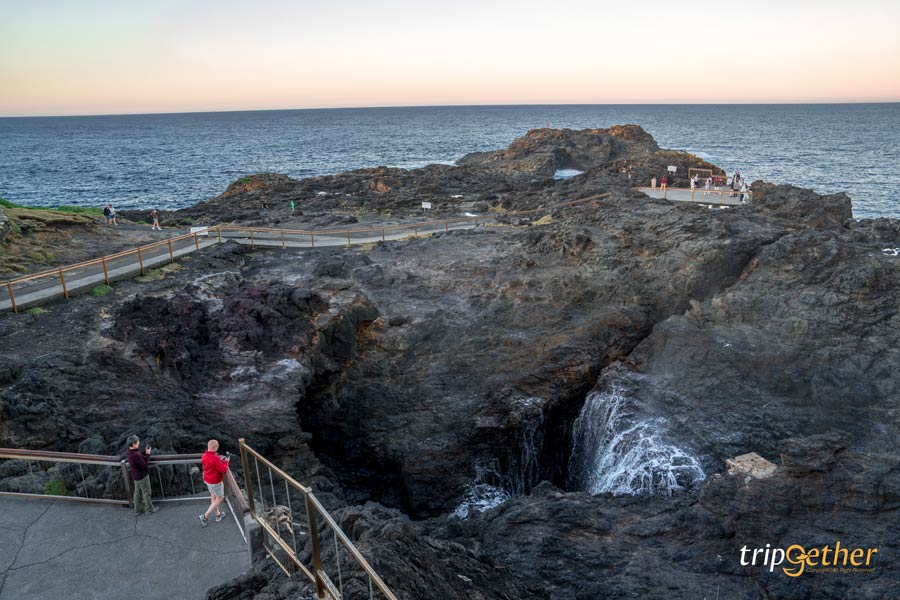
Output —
<point x="672" y="168"/>
<point x="426" y="204"/>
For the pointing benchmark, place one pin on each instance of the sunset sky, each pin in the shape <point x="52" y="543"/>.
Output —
<point x="60" y="58"/>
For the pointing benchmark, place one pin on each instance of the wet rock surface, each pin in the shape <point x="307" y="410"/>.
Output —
<point x="392" y="378"/>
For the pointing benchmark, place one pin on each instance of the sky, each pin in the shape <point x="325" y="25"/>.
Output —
<point x="100" y="57"/>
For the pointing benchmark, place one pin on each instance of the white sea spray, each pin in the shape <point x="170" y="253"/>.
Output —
<point x="618" y="452"/>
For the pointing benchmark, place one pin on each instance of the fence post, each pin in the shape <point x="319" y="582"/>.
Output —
<point x="247" y="481"/>
<point x="314" y="541"/>
<point x="62" y="280"/>
<point x="219" y="231"/>
<point x="446" y="227"/>
<point x="171" y="254"/>
<point x="382" y="234"/>
<point x="126" y="479"/>
<point x="312" y="240"/>
<point x="348" y="239"/>
<point x="140" y="260"/>
<point x="692" y="194"/>
<point x="282" y="239"/>
<point x="105" y="272"/>
<point x="252" y="245"/>
<point x="196" y="242"/>
<point x="12" y="298"/>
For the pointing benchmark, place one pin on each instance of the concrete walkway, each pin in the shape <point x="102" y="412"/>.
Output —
<point x="45" y="289"/>
<point x="71" y="550"/>
<point x="722" y="198"/>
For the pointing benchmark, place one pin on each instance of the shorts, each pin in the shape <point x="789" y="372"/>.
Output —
<point x="217" y="489"/>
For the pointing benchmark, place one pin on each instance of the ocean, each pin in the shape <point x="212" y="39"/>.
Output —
<point x="174" y="160"/>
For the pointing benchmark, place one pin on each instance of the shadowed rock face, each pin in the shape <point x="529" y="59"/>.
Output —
<point x="396" y="374"/>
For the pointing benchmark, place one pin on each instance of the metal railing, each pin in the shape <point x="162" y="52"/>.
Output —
<point x="63" y="281"/>
<point x="106" y="479"/>
<point x="65" y="476"/>
<point x="722" y="195"/>
<point x="312" y="543"/>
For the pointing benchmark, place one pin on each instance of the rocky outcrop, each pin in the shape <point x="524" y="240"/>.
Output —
<point x="542" y="152"/>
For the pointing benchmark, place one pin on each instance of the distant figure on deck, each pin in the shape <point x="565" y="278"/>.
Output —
<point x="694" y="183"/>
<point x="707" y="185"/>
<point x="744" y="189"/>
<point x="139" y="465"/>
<point x="107" y="213"/>
<point x="213" y="469"/>
<point x="663" y="182"/>
<point x="653" y="183"/>
<point x="154" y="214"/>
<point x="265" y="210"/>
<point x="292" y="206"/>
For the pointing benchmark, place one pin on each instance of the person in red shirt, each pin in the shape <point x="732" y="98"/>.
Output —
<point x="213" y="469"/>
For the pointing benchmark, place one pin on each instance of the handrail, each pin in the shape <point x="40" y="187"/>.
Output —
<point x="158" y="460"/>
<point x="104" y="260"/>
<point x="325" y="587"/>
<point x="48" y="455"/>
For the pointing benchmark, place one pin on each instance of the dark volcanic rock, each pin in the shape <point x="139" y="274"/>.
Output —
<point x="541" y="152"/>
<point x="405" y="373"/>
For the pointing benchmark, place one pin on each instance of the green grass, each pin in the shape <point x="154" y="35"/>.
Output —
<point x="55" y="488"/>
<point x="101" y="290"/>
<point x="77" y="210"/>
<point x="150" y="275"/>
<point x="36" y="311"/>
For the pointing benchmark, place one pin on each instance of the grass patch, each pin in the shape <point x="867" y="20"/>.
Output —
<point x="498" y="209"/>
<point x="150" y="275"/>
<point x="55" y="488"/>
<point x="157" y="274"/>
<point x="36" y="311"/>
<point x="545" y="220"/>
<point x="101" y="290"/>
<point x="93" y="211"/>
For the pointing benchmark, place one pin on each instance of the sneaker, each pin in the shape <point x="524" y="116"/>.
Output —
<point x="203" y="520"/>
<point x="219" y="517"/>
<point x="151" y="510"/>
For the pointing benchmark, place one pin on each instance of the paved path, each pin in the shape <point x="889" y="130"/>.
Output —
<point x="39" y="291"/>
<point x="71" y="550"/>
<point x="683" y="195"/>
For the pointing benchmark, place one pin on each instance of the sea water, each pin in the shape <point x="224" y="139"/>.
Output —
<point x="174" y="160"/>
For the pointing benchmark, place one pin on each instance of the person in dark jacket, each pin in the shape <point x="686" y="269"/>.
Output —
<point x="139" y="464"/>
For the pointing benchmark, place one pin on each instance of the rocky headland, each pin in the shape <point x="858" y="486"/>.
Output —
<point x="541" y="408"/>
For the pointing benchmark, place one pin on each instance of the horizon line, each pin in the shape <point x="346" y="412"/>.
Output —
<point x="498" y="105"/>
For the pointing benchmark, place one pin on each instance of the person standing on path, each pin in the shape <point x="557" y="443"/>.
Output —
<point x="107" y="214"/>
<point x="139" y="465"/>
<point x="112" y="214"/>
<point x="213" y="468"/>
<point x="663" y="182"/>
<point x="265" y="209"/>
<point x="154" y="214"/>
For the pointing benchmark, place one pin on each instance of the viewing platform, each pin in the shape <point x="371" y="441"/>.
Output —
<point x="58" y="549"/>
<point x="720" y="197"/>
